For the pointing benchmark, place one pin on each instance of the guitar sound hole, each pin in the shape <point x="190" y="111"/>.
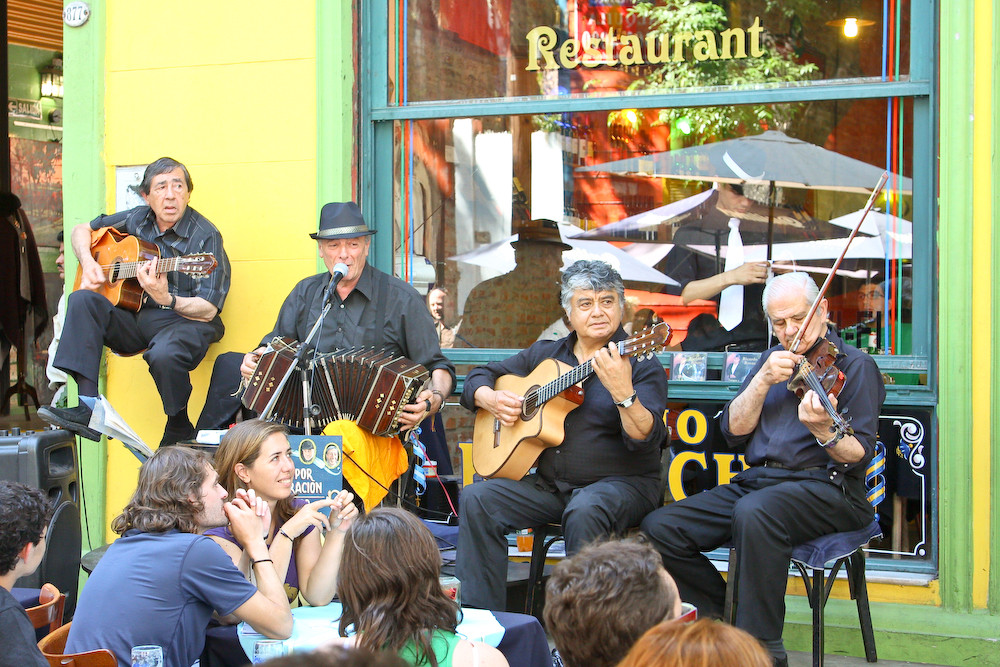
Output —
<point x="530" y="406"/>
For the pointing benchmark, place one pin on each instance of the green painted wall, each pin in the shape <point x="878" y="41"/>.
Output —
<point x="83" y="193"/>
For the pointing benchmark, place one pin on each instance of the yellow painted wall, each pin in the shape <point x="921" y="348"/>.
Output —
<point x="229" y="90"/>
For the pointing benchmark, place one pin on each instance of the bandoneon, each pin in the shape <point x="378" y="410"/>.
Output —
<point x="363" y="385"/>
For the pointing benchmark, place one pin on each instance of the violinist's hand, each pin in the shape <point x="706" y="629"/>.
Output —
<point x="504" y="405"/>
<point x="814" y="416"/>
<point x="779" y="367"/>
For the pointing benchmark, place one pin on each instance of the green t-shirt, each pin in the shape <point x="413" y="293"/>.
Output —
<point x="442" y="643"/>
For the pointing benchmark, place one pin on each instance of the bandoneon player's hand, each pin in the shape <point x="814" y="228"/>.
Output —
<point x="249" y="364"/>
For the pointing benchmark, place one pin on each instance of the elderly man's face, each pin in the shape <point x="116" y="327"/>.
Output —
<point x="788" y="311"/>
<point x="595" y="316"/>
<point x="352" y="252"/>
<point x="168" y="197"/>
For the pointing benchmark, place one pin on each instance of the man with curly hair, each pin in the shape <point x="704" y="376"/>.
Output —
<point x="162" y="580"/>
<point x="24" y="519"/>
<point x="601" y="600"/>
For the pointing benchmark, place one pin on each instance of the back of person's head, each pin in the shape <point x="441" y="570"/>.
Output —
<point x="600" y="600"/>
<point x="389" y="583"/>
<point x="339" y="656"/>
<point x="162" y="501"/>
<point x="241" y="444"/>
<point x="24" y="514"/>
<point x="704" y="643"/>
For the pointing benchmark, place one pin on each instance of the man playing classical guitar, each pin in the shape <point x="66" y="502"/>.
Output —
<point x="179" y="317"/>
<point x="604" y="476"/>
<point x="805" y="478"/>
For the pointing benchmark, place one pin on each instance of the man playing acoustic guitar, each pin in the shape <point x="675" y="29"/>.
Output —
<point x="604" y="475"/>
<point x="179" y="315"/>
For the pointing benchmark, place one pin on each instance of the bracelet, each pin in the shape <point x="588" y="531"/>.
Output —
<point x="281" y="531"/>
<point x="437" y="392"/>
<point x="262" y="560"/>
<point x="173" y="301"/>
<point x="837" y="437"/>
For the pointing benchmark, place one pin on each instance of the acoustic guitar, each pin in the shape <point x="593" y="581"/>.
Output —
<point x="551" y="391"/>
<point x="120" y="256"/>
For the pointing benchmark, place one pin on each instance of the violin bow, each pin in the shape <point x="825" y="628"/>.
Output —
<point x="836" y="265"/>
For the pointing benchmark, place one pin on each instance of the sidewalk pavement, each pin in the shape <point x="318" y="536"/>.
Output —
<point x="804" y="659"/>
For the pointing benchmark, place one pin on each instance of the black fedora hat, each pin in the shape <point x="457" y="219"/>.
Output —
<point x="341" y="220"/>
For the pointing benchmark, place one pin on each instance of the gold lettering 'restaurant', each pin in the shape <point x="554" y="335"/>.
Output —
<point x="678" y="47"/>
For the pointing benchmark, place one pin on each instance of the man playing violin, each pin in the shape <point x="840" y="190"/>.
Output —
<point x="604" y="476"/>
<point x="804" y="475"/>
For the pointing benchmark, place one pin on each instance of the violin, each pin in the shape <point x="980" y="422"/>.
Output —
<point x="816" y="371"/>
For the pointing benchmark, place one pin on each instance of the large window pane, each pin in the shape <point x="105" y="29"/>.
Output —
<point x="468" y="49"/>
<point x="656" y="199"/>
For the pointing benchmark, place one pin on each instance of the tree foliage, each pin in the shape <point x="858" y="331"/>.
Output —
<point x="776" y="66"/>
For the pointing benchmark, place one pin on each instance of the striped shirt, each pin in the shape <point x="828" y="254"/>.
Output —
<point x="193" y="233"/>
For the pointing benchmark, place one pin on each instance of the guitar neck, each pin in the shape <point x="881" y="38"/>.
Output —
<point x="567" y="380"/>
<point x="131" y="269"/>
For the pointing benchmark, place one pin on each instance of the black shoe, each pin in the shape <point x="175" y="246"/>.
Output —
<point x="173" y="434"/>
<point x="75" y="420"/>
<point x="781" y="662"/>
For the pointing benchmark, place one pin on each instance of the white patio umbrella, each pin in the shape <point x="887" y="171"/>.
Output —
<point x="499" y="256"/>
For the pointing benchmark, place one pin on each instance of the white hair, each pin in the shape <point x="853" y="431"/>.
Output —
<point x="787" y="283"/>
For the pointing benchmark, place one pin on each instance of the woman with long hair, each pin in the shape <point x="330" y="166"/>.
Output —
<point x="704" y="643"/>
<point x="255" y="459"/>
<point x="390" y="588"/>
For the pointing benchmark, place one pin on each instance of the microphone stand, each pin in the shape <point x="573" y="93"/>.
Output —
<point x="309" y="409"/>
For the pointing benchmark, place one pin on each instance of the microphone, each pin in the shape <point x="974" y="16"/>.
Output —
<point x="337" y="274"/>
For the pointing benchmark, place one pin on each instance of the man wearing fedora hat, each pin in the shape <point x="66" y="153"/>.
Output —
<point x="514" y="309"/>
<point x="370" y="309"/>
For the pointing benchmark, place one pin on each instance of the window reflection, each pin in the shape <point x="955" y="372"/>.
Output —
<point x="491" y="208"/>
<point x="469" y="49"/>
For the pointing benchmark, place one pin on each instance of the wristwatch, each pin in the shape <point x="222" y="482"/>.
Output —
<point x="627" y="402"/>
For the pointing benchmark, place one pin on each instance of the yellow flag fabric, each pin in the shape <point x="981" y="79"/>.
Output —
<point x="382" y="458"/>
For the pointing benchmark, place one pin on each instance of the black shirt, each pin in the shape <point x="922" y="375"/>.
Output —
<point x="596" y="445"/>
<point x="17" y="636"/>
<point x="782" y="438"/>
<point x="407" y="328"/>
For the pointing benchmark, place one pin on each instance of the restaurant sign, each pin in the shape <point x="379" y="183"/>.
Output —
<point x="545" y="52"/>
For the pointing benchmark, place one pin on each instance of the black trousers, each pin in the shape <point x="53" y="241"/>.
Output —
<point x="491" y="508"/>
<point x="764" y="512"/>
<point x="174" y="345"/>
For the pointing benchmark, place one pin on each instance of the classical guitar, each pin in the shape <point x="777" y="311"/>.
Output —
<point x="120" y="256"/>
<point x="551" y="391"/>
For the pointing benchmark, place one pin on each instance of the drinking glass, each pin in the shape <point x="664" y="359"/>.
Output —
<point x="265" y="649"/>
<point x="147" y="655"/>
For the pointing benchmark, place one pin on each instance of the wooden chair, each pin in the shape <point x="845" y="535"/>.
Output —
<point x="53" y="645"/>
<point x="49" y="610"/>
